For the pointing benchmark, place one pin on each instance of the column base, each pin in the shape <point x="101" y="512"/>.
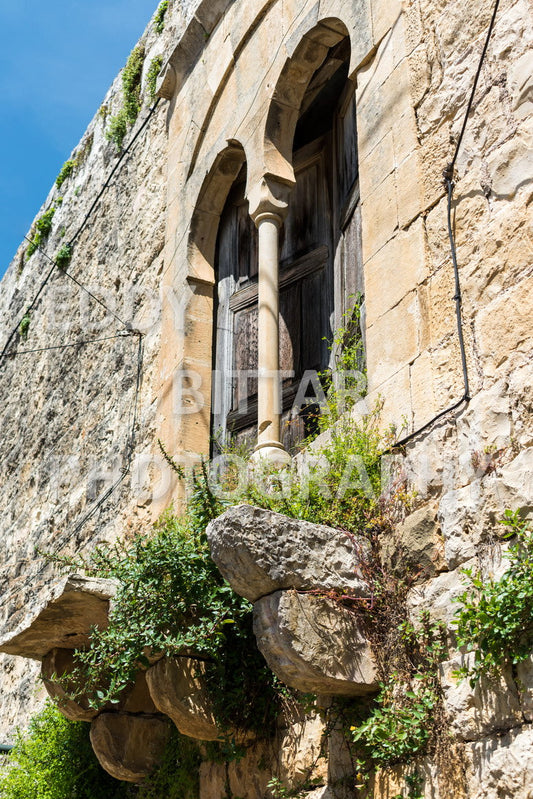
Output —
<point x="271" y="452"/>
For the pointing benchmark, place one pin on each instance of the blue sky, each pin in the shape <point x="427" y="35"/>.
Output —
<point x="57" y="60"/>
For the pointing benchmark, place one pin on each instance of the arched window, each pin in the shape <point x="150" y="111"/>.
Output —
<point x="320" y="262"/>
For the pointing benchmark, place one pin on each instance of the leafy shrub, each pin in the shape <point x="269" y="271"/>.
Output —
<point x="151" y="78"/>
<point x="24" y="326"/>
<point x="407" y="712"/>
<point x="159" y="19"/>
<point x="64" y="256"/>
<point x="172" y="599"/>
<point x="131" y="91"/>
<point x="131" y="83"/>
<point x="496" y="617"/>
<point x="54" y="760"/>
<point x="43" y="226"/>
<point x="117" y="128"/>
<point x="66" y="171"/>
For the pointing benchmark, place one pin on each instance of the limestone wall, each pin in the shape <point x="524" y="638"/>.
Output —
<point x="148" y="252"/>
<point x="67" y="414"/>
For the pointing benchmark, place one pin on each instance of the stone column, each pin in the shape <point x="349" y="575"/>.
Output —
<point x="268" y="208"/>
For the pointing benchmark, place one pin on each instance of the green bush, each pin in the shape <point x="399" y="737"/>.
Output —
<point x="172" y="599"/>
<point x="496" y="617"/>
<point x="43" y="226"/>
<point x="54" y="760"/>
<point x="131" y="83"/>
<point x="64" y="256"/>
<point x="66" y="171"/>
<point x="159" y="19"/>
<point x="118" y="128"/>
<point x="131" y="92"/>
<point x="151" y="78"/>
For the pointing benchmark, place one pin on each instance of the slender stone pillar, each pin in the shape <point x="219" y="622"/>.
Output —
<point x="268" y="212"/>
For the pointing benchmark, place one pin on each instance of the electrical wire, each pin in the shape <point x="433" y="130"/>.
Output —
<point x="71" y="242"/>
<point x="448" y="174"/>
<point x="129" y="331"/>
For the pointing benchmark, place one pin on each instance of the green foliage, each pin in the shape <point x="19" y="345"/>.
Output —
<point x="347" y="384"/>
<point x="496" y="616"/>
<point x="54" y="760"/>
<point x="400" y="726"/>
<point x="151" y="77"/>
<point x="159" y="19"/>
<point x="66" y="171"/>
<point x="340" y="488"/>
<point x="64" y="256"/>
<point x="43" y="226"/>
<point x="172" y="599"/>
<point x="131" y="83"/>
<point x="178" y="775"/>
<point x="117" y="128"/>
<point x="406" y="714"/>
<point x="24" y="325"/>
<point x="131" y="91"/>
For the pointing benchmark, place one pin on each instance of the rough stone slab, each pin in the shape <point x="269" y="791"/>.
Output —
<point x="415" y="545"/>
<point x="489" y="706"/>
<point x="260" y="552"/>
<point x="129" y="747"/>
<point x="62" y="620"/>
<point x="175" y="685"/>
<point x="501" y="766"/>
<point x="61" y="662"/>
<point x="314" y="645"/>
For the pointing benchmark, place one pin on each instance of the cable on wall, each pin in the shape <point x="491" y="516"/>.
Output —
<point x="128" y="331"/>
<point x="448" y="174"/>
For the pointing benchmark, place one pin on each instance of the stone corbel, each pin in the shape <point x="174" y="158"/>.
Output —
<point x="309" y="641"/>
<point x="166" y="82"/>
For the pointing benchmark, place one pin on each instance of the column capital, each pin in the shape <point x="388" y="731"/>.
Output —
<point x="269" y="199"/>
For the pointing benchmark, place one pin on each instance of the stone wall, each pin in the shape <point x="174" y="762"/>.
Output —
<point x="67" y="414"/>
<point x="148" y="253"/>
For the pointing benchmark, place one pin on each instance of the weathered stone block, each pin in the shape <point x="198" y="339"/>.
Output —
<point x="61" y="663"/>
<point x="63" y="619"/>
<point x="501" y="766"/>
<point x="415" y="546"/>
<point x="259" y="552"/>
<point x="176" y="688"/>
<point x="129" y="747"/>
<point x="392" y="340"/>
<point x="314" y="644"/>
<point x="395" y="270"/>
<point x="491" y="705"/>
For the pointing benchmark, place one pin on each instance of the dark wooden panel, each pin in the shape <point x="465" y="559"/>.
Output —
<point x="245" y="354"/>
<point x="314" y="314"/>
<point x="290" y="323"/>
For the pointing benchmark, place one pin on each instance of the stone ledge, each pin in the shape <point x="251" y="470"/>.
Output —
<point x="314" y="645"/>
<point x="64" y="619"/>
<point x="259" y="552"/>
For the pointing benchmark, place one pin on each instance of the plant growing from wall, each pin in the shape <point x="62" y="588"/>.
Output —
<point x="496" y="616"/>
<point x="152" y="75"/>
<point x="172" y="599"/>
<point x="66" y="171"/>
<point x="159" y="19"/>
<point x="63" y="256"/>
<point x="42" y="229"/>
<point x="24" y="326"/>
<point x="131" y="97"/>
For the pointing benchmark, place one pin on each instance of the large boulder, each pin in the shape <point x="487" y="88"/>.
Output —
<point x="259" y="552"/>
<point x="177" y="689"/>
<point x="314" y="644"/>
<point x="129" y="747"/>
